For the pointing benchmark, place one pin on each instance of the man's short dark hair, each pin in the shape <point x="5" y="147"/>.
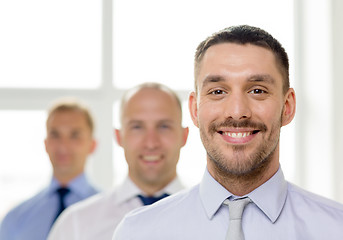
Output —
<point x="244" y="34"/>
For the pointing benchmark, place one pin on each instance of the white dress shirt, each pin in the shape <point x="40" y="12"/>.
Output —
<point x="97" y="217"/>
<point x="279" y="211"/>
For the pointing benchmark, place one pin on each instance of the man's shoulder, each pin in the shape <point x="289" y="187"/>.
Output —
<point x="156" y="219"/>
<point x="169" y="206"/>
<point x="91" y="218"/>
<point x="317" y="203"/>
<point x="90" y="204"/>
<point x="23" y="209"/>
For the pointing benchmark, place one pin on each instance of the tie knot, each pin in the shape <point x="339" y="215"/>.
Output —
<point x="62" y="192"/>
<point x="151" y="200"/>
<point x="236" y="207"/>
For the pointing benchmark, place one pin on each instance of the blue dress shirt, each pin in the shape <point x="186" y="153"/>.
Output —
<point x="279" y="210"/>
<point x="32" y="219"/>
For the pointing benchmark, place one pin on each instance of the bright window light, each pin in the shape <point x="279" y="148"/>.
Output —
<point x="155" y="40"/>
<point x="50" y="44"/>
<point x="24" y="164"/>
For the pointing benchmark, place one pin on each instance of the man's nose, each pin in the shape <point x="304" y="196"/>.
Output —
<point x="152" y="139"/>
<point x="237" y="106"/>
<point x="63" y="144"/>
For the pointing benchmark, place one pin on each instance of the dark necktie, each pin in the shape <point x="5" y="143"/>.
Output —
<point x="151" y="200"/>
<point x="61" y="192"/>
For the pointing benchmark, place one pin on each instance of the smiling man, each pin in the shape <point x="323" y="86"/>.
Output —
<point x="242" y="98"/>
<point x="239" y="107"/>
<point x="151" y="136"/>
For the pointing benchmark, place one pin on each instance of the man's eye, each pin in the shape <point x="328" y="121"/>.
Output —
<point x="75" y="135"/>
<point x="53" y="135"/>
<point x="258" y="91"/>
<point x="217" y="92"/>
<point x="164" y="126"/>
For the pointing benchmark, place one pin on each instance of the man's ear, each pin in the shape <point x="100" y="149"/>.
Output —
<point x="193" y="108"/>
<point x="289" y="107"/>
<point x="117" y="136"/>
<point x="93" y="146"/>
<point x="46" y="145"/>
<point x="185" y="132"/>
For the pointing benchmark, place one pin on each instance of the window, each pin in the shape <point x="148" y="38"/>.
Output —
<point x="51" y="49"/>
<point x="22" y="136"/>
<point x="156" y="40"/>
<point x="50" y="44"/>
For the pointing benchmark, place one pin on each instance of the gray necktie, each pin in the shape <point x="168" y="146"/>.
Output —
<point x="236" y="208"/>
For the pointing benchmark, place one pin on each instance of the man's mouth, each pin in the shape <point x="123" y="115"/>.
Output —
<point x="237" y="130"/>
<point x="151" y="158"/>
<point x="63" y="157"/>
<point x="238" y="134"/>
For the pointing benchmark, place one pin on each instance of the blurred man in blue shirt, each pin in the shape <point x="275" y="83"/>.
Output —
<point x="68" y="143"/>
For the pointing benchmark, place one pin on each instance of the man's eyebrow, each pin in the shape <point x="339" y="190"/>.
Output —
<point x="212" y="79"/>
<point x="262" y="78"/>
<point x="168" y="121"/>
<point x="52" y="130"/>
<point x="253" y="78"/>
<point x="134" y="121"/>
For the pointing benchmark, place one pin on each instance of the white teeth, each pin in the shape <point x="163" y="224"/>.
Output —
<point x="237" y="135"/>
<point x="151" y="158"/>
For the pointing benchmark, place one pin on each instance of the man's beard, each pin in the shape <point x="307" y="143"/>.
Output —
<point x="239" y="165"/>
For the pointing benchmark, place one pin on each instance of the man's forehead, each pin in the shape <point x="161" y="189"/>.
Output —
<point x="148" y="94"/>
<point x="152" y="116"/>
<point x="231" y="58"/>
<point x="252" y="78"/>
<point x="230" y="51"/>
<point x="154" y="101"/>
<point x="150" y="121"/>
<point x="67" y="114"/>
<point x="70" y="119"/>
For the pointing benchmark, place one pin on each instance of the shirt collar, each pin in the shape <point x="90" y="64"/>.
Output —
<point x="79" y="186"/>
<point x="128" y="190"/>
<point x="269" y="197"/>
<point x="173" y="187"/>
<point x="212" y="194"/>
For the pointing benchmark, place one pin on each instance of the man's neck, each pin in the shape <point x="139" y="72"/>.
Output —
<point x="64" y="180"/>
<point x="151" y="189"/>
<point x="244" y="184"/>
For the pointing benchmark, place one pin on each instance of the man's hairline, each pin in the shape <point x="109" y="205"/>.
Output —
<point x="75" y="110"/>
<point x="159" y="87"/>
<point x="278" y="64"/>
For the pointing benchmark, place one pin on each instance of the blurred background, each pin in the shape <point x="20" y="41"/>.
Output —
<point x="96" y="49"/>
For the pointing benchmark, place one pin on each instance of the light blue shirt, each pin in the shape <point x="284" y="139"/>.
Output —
<point x="32" y="219"/>
<point x="279" y="211"/>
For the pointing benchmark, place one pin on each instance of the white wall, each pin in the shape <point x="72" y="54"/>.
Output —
<point x="337" y="118"/>
<point x="318" y="71"/>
